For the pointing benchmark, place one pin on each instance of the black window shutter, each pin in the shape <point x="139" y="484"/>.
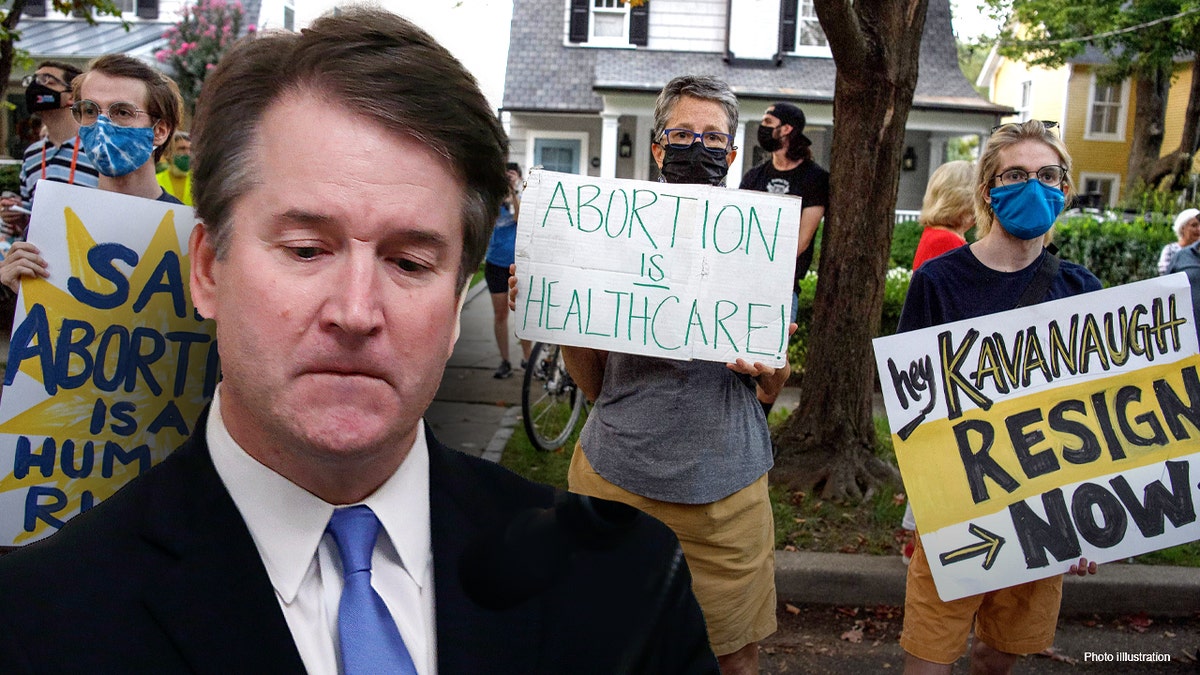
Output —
<point x="35" y="8"/>
<point x="639" y="24"/>
<point x="787" y="25"/>
<point x="147" y="9"/>
<point x="579" y="21"/>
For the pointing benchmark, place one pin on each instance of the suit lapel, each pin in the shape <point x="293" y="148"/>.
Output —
<point x="472" y="639"/>
<point x="212" y="594"/>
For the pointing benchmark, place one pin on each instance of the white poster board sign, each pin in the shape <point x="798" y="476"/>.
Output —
<point x="109" y="365"/>
<point x="674" y="271"/>
<point x="1030" y="438"/>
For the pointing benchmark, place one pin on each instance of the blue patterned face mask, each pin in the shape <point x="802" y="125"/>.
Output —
<point x="1027" y="210"/>
<point x="116" y="151"/>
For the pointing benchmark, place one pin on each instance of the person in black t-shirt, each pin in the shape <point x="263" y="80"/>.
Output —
<point x="791" y="171"/>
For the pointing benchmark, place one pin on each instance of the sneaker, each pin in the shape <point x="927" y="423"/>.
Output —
<point x="524" y="364"/>
<point x="505" y="370"/>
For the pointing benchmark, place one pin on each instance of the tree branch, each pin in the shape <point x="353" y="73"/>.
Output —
<point x="843" y="30"/>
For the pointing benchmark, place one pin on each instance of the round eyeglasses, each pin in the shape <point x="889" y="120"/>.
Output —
<point x="682" y="139"/>
<point x="1051" y="175"/>
<point x="44" y="79"/>
<point x="121" y="113"/>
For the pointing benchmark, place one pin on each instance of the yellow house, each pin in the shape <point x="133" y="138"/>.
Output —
<point x="1095" y="120"/>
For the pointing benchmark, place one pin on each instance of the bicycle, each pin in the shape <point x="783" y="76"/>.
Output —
<point x="551" y="402"/>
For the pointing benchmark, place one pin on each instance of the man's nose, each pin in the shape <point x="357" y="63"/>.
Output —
<point x="354" y="304"/>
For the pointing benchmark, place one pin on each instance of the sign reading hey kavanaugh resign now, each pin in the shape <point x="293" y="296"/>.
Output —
<point x="1030" y="438"/>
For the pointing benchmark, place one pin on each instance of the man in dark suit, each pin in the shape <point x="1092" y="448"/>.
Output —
<point x="347" y="178"/>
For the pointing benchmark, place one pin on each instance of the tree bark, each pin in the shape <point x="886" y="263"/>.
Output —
<point x="1178" y="164"/>
<point x="1148" y="127"/>
<point x="830" y="440"/>
<point x="7" y="48"/>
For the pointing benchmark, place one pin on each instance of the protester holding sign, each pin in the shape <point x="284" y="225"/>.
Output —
<point x="1022" y="182"/>
<point x="312" y="523"/>
<point x="686" y="441"/>
<point x="126" y="112"/>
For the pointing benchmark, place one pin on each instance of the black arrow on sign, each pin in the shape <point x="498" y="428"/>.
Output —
<point x="988" y="546"/>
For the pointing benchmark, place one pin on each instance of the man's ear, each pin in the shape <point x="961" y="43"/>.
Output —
<point x="729" y="157"/>
<point x="161" y="133"/>
<point x="202" y="249"/>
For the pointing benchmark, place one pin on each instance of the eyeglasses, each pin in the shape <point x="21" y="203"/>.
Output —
<point x="44" y="79"/>
<point x="684" y="138"/>
<point x="1051" y="176"/>
<point x="121" y="113"/>
<point x="1049" y="124"/>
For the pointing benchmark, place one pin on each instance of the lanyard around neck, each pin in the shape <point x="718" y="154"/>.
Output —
<point x="74" y="159"/>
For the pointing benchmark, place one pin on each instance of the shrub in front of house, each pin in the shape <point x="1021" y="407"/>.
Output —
<point x="894" y="290"/>
<point x="1117" y="252"/>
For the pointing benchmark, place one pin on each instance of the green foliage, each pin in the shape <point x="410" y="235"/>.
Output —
<point x="905" y="238"/>
<point x="895" y="288"/>
<point x="10" y="178"/>
<point x="1160" y="204"/>
<point x="1115" y="251"/>
<point x="544" y="467"/>
<point x="965" y="148"/>
<point x="195" y="44"/>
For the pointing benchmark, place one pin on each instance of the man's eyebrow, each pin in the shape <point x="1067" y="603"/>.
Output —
<point x="410" y="235"/>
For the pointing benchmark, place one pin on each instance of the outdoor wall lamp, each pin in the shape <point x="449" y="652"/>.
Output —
<point x="626" y="149"/>
<point x="909" y="162"/>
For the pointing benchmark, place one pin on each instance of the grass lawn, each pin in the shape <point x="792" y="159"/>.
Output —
<point x="803" y="521"/>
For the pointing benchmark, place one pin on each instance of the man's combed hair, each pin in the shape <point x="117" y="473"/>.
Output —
<point x="1007" y="136"/>
<point x="697" y="86"/>
<point x="163" y="102"/>
<point x="70" y="70"/>
<point x="374" y="64"/>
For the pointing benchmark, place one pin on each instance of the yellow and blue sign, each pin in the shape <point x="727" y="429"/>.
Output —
<point x="109" y="365"/>
<point x="1030" y="438"/>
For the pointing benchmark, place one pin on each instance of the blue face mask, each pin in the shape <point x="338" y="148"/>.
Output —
<point x="1027" y="210"/>
<point x="116" y="151"/>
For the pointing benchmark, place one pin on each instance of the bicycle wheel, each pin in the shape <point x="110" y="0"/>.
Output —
<point x="551" y="403"/>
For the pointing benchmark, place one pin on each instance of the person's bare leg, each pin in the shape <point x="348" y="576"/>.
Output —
<point x="500" y="325"/>
<point x="742" y="662"/>
<point x="987" y="660"/>
<point x="914" y="665"/>
<point x="526" y="347"/>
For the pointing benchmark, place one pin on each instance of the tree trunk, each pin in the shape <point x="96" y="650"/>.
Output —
<point x="1148" y="127"/>
<point x="1178" y="164"/>
<point x="7" y="48"/>
<point x="830" y="440"/>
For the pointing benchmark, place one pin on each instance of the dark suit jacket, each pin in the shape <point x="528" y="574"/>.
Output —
<point x="164" y="577"/>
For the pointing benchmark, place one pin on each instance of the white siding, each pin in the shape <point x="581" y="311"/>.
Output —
<point x="687" y="25"/>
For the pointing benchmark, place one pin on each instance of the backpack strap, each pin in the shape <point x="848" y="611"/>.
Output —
<point x="1035" y="292"/>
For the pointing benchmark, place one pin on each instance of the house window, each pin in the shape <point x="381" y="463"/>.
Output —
<point x="1024" y="110"/>
<point x="558" y="154"/>
<point x="1098" y="190"/>
<point x="808" y="29"/>
<point x="610" y="21"/>
<point x="1106" y="111"/>
<point x="289" y="17"/>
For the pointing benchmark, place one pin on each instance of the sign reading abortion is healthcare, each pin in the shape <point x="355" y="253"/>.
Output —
<point x="1031" y="438"/>
<point x="109" y="365"/>
<point x="675" y="271"/>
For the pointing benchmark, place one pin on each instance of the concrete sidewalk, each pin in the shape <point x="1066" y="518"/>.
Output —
<point x="476" y="413"/>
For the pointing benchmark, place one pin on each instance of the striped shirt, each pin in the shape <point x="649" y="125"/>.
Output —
<point x="57" y="167"/>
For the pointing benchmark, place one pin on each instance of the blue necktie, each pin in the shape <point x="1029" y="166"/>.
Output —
<point x="370" y="641"/>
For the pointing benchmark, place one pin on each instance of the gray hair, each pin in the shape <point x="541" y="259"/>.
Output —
<point x="702" y="87"/>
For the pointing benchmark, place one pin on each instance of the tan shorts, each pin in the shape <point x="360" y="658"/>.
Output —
<point x="729" y="546"/>
<point x="1020" y="619"/>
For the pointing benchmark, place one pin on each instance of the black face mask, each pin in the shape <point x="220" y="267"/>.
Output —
<point x="695" y="165"/>
<point x="767" y="140"/>
<point x="39" y="97"/>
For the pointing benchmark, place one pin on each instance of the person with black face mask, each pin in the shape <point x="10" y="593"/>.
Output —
<point x="686" y="441"/>
<point x="59" y="156"/>
<point x="791" y="171"/>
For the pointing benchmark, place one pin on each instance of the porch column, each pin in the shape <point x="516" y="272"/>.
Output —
<point x="608" y="145"/>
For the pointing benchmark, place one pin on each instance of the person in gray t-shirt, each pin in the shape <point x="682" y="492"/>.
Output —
<point x="687" y="441"/>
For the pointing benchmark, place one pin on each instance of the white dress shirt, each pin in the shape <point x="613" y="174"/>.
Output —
<point x="288" y="527"/>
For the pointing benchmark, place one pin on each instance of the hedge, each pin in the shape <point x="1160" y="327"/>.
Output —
<point x="1115" y="251"/>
